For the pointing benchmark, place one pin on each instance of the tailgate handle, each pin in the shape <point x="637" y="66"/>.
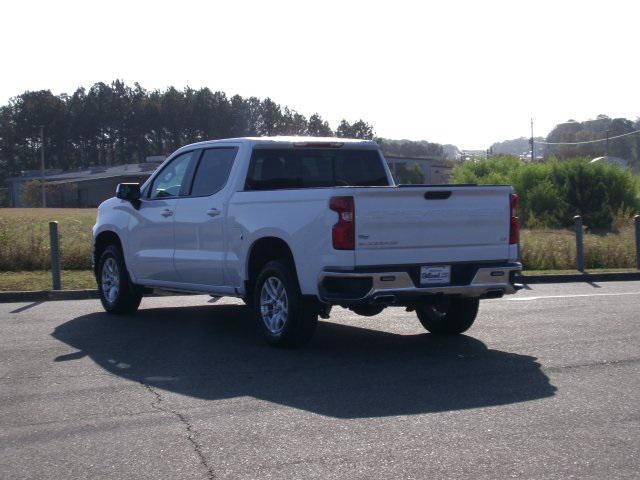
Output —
<point x="437" y="195"/>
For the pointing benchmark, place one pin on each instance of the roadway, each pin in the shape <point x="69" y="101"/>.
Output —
<point x="545" y="385"/>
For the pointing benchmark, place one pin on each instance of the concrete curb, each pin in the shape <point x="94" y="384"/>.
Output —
<point x="49" y="295"/>
<point x="582" y="277"/>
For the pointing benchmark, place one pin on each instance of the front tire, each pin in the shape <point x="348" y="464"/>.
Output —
<point x="117" y="293"/>
<point x="285" y="318"/>
<point x="448" y="315"/>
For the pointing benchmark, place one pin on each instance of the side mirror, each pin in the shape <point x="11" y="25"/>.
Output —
<point x="128" y="191"/>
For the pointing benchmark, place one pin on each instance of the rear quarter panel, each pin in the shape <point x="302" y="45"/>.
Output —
<point x="301" y="218"/>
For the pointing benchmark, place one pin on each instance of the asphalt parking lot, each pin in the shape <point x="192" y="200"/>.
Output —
<point x="545" y="385"/>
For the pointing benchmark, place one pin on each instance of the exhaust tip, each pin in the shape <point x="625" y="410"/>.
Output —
<point x="493" y="294"/>
<point x="385" y="300"/>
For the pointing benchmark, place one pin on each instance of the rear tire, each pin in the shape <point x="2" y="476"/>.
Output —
<point x="285" y="318"/>
<point x="117" y="293"/>
<point x="449" y="315"/>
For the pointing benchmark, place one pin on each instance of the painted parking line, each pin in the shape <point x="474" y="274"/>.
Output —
<point x="525" y="299"/>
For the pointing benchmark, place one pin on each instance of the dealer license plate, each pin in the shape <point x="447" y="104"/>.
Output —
<point x="435" y="275"/>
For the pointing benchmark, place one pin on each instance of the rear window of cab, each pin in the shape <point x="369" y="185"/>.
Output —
<point x="287" y="168"/>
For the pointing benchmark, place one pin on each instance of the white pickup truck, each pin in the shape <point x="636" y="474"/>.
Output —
<point x="294" y="225"/>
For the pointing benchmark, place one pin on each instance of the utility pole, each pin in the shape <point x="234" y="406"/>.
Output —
<point x="531" y="141"/>
<point x="44" y="196"/>
<point x="606" y="151"/>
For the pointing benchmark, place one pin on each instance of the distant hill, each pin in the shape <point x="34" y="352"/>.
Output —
<point x="517" y="146"/>
<point x="627" y="148"/>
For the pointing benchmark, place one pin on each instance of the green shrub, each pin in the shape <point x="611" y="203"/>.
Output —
<point x="551" y="193"/>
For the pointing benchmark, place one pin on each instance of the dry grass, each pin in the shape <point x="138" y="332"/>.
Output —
<point x="24" y="238"/>
<point x="556" y="249"/>
<point x="24" y="243"/>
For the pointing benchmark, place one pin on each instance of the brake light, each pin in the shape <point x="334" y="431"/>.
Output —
<point x="514" y="229"/>
<point x="343" y="233"/>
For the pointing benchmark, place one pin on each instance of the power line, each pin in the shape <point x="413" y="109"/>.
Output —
<point x="586" y="141"/>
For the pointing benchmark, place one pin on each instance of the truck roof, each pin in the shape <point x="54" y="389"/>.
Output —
<point x="284" y="140"/>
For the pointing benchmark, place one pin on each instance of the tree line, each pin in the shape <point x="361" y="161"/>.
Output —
<point x="412" y="148"/>
<point x="111" y="124"/>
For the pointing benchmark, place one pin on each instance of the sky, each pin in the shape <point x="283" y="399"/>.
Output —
<point x="463" y="72"/>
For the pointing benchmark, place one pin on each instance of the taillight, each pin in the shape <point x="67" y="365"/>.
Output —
<point x="344" y="232"/>
<point x="514" y="229"/>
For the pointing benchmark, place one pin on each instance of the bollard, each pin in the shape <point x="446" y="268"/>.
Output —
<point x="55" y="255"/>
<point x="636" y="220"/>
<point x="579" y="243"/>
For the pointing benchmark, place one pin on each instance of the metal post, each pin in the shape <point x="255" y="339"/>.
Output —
<point x="531" y="142"/>
<point x="579" y="243"/>
<point x="55" y="255"/>
<point x="636" y="220"/>
<point x="42" y="171"/>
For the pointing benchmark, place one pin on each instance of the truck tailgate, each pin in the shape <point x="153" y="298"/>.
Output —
<point x="431" y="224"/>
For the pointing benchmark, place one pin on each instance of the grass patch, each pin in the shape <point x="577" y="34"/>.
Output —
<point x="24" y="238"/>
<point x="547" y="249"/>
<point x="41" y="280"/>
<point x="24" y="243"/>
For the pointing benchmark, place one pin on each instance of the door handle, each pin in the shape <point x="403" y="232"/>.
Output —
<point x="213" y="212"/>
<point x="437" y="195"/>
<point x="166" y="213"/>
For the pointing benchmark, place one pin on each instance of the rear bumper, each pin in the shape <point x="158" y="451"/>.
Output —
<point x="400" y="285"/>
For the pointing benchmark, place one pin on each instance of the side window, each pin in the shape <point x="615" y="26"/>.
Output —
<point x="169" y="182"/>
<point x="213" y="171"/>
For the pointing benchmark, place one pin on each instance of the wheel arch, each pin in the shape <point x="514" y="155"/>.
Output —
<point x="101" y="242"/>
<point x="262" y="251"/>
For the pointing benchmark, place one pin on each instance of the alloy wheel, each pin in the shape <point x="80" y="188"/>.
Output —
<point x="110" y="279"/>
<point x="274" y="305"/>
